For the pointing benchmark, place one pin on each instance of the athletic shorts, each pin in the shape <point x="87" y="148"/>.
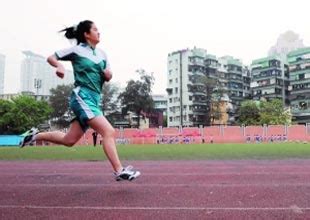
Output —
<point x="85" y="104"/>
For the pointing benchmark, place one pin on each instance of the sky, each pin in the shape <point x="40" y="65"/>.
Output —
<point x="140" y="33"/>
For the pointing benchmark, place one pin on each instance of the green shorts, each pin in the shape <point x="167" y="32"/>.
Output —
<point x="85" y="104"/>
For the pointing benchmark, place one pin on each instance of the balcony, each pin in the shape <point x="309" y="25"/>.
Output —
<point x="199" y="112"/>
<point x="211" y="66"/>
<point x="199" y="102"/>
<point x="300" y="91"/>
<point x="239" y="72"/>
<point x="232" y="79"/>
<point x="197" y="63"/>
<point x="198" y="93"/>
<point x="299" y="81"/>
<point x="198" y="73"/>
<point x="198" y="83"/>
<point x="300" y="112"/>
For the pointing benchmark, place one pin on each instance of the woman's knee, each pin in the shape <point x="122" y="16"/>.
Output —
<point x="69" y="143"/>
<point x="109" y="132"/>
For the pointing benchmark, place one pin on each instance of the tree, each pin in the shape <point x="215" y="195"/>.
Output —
<point x="216" y="109"/>
<point x="110" y="101"/>
<point x="214" y="94"/>
<point x="263" y="112"/>
<point x="59" y="101"/>
<point x="22" y="113"/>
<point x="137" y="95"/>
<point x="110" y="98"/>
<point x="273" y="113"/>
<point x="249" y="112"/>
<point x="6" y="108"/>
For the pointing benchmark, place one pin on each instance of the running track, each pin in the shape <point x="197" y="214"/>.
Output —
<point x="243" y="189"/>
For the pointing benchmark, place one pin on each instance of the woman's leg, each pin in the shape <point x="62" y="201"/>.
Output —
<point x="103" y="127"/>
<point x="68" y="139"/>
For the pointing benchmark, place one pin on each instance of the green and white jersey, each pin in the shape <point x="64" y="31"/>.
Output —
<point x="88" y="65"/>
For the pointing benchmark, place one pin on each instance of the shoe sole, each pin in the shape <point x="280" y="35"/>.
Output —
<point x="131" y="178"/>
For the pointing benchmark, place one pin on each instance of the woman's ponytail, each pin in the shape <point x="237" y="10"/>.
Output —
<point x="77" y="32"/>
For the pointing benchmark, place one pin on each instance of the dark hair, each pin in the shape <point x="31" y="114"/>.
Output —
<point x="77" y="31"/>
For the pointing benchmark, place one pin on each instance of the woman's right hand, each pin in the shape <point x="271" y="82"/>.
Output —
<point x="107" y="74"/>
<point x="60" y="71"/>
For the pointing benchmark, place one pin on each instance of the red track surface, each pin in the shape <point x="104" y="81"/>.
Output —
<point x="245" y="189"/>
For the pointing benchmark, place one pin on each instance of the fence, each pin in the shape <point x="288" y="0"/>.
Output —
<point x="213" y="134"/>
<point x="186" y="135"/>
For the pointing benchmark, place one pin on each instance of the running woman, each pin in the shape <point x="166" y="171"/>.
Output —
<point x="91" y="69"/>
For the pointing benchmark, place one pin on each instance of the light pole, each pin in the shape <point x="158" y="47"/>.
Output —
<point x="37" y="86"/>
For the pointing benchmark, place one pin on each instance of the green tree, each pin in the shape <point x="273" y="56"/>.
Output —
<point x="273" y="113"/>
<point x="6" y="108"/>
<point x="263" y="112"/>
<point x="59" y="101"/>
<point x="137" y="95"/>
<point x="249" y="112"/>
<point x="110" y="100"/>
<point x="216" y="104"/>
<point x="24" y="112"/>
<point x="214" y="94"/>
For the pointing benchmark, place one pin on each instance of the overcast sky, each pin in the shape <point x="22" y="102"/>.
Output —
<point x="140" y="33"/>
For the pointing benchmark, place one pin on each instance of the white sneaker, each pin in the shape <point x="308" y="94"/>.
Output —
<point x="28" y="137"/>
<point x="127" y="173"/>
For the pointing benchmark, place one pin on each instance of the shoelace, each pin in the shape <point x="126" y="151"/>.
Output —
<point x="128" y="168"/>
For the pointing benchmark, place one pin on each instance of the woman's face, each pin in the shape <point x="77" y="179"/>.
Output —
<point x="93" y="36"/>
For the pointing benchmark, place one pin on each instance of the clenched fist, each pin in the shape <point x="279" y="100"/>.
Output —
<point x="107" y="74"/>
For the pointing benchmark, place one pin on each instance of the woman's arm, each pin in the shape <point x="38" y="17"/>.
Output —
<point x="60" y="70"/>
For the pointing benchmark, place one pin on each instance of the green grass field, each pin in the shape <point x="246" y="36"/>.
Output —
<point x="162" y="152"/>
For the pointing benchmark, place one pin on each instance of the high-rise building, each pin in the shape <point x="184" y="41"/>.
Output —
<point x="38" y="77"/>
<point x="177" y="73"/>
<point x="299" y="76"/>
<point x="2" y="72"/>
<point x="286" y="43"/>
<point x="247" y="76"/>
<point x="237" y="79"/>
<point x="270" y="79"/>
<point x="160" y="103"/>
<point x="197" y="81"/>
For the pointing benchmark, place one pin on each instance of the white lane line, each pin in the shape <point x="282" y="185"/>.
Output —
<point x="12" y="185"/>
<point x="145" y="173"/>
<point x="293" y="208"/>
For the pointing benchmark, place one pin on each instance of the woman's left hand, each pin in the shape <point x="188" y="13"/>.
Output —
<point x="107" y="75"/>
